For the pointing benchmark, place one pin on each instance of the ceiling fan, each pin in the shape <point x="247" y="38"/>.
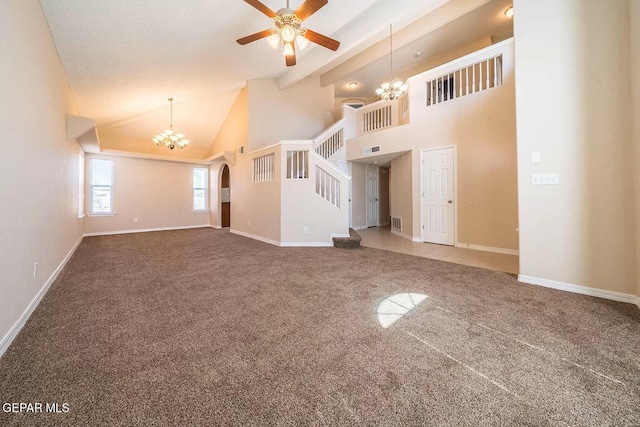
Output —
<point x="287" y="32"/>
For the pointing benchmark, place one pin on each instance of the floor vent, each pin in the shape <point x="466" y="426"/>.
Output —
<point x="396" y="223"/>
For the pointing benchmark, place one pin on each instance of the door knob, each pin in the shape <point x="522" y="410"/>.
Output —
<point x="450" y="201"/>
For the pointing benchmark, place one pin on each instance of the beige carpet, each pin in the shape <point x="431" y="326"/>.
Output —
<point x="202" y="327"/>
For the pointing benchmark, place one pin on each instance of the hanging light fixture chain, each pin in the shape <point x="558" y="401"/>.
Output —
<point x="391" y="51"/>
<point x="393" y="89"/>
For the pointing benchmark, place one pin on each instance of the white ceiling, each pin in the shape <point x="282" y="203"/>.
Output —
<point x="124" y="58"/>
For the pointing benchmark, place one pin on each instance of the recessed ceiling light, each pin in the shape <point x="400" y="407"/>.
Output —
<point x="418" y="53"/>
<point x="509" y="12"/>
<point x="353" y="85"/>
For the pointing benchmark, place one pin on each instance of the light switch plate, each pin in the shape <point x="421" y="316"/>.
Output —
<point x="535" y="156"/>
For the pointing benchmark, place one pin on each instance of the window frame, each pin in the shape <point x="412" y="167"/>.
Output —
<point x="93" y="187"/>
<point x="205" y="189"/>
<point x="81" y="184"/>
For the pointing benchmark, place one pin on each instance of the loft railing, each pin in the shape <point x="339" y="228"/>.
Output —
<point x="465" y="81"/>
<point x="382" y="115"/>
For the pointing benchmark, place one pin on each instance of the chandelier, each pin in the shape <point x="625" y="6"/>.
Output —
<point x="287" y="32"/>
<point x="392" y="89"/>
<point x="169" y="138"/>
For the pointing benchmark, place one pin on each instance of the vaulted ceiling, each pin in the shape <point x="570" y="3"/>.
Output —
<point x="124" y="58"/>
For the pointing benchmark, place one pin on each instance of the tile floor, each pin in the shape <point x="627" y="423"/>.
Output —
<point x="382" y="238"/>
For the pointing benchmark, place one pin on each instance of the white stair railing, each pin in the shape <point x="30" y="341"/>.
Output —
<point x="330" y="140"/>
<point x="331" y="145"/>
<point x="327" y="187"/>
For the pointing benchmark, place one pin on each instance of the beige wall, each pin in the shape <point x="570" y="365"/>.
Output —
<point x="234" y="131"/>
<point x="299" y="112"/>
<point x="482" y="126"/>
<point x="255" y="206"/>
<point x="158" y="193"/>
<point x="110" y="141"/>
<point x="634" y="22"/>
<point x="573" y="106"/>
<point x="358" y="196"/>
<point x="400" y="187"/>
<point x="38" y="166"/>
<point x="383" y="195"/>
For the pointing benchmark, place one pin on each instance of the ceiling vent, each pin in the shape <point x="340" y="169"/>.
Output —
<point x="370" y="150"/>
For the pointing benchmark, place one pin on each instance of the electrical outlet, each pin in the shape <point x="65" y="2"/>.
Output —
<point x="306" y="230"/>
<point x="135" y="219"/>
<point x="545" y="179"/>
<point x="249" y="223"/>
<point x="35" y="270"/>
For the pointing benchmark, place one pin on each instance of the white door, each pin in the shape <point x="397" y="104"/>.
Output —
<point x="372" y="196"/>
<point x="438" y="213"/>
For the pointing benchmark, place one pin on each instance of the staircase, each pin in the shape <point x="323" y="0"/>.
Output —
<point x="351" y="242"/>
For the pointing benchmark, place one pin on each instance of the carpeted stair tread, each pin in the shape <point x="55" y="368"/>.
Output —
<point x="351" y="242"/>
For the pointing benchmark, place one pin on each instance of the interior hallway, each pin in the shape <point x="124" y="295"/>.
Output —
<point x="382" y="238"/>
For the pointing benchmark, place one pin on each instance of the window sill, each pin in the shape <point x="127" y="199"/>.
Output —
<point x="200" y="211"/>
<point x="101" y="214"/>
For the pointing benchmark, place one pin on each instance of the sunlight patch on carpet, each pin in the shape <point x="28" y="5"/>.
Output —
<point x="392" y="308"/>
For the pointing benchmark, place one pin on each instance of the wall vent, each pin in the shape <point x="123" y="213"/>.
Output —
<point x="371" y="150"/>
<point x="396" y="223"/>
<point x="241" y="150"/>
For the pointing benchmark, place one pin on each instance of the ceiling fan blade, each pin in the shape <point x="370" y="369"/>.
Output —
<point x="291" y="59"/>
<point x="324" y="41"/>
<point x="254" y="37"/>
<point x="308" y="8"/>
<point x="261" y="7"/>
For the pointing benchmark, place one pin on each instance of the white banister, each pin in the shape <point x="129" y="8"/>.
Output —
<point x="327" y="186"/>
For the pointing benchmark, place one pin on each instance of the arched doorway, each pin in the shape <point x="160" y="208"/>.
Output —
<point x="225" y="197"/>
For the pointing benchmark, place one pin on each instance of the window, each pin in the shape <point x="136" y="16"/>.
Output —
<point x="101" y="186"/>
<point x="199" y="189"/>
<point x="80" y="184"/>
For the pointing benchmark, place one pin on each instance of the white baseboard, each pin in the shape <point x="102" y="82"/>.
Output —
<point x="579" y="289"/>
<point x="417" y="240"/>
<point x="217" y="227"/>
<point x="339" y="235"/>
<point x="254" y="237"/>
<point x="145" y="230"/>
<point x="360" y="227"/>
<point x="384" y="224"/>
<point x="13" y="332"/>
<point x="503" y="251"/>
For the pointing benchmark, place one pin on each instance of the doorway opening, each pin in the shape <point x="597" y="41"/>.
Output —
<point x="225" y="197"/>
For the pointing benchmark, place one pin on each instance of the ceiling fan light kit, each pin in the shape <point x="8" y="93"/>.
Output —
<point x="288" y="36"/>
